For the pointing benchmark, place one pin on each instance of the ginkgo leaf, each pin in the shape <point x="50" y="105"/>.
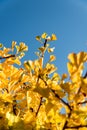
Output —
<point x="48" y="106"/>
<point x="7" y="98"/>
<point x="64" y="76"/>
<point x="38" y="38"/>
<point x="52" y="58"/>
<point x="56" y="77"/>
<point x="29" y="64"/>
<point x="17" y="61"/>
<point x="26" y="65"/>
<point x="1" y="45"/>
<point x="81" y="57"/>
<point x="29" y="117"/>
<point x="22" y="47"/>
<point x="6" y="50"/>
<point x="48" y="38"/>
<point x="70" y="67"/>
<point x="44" y="35"/>
<point x="51" y="49"/>
<point x="73" y="58"/>
<point x="53" y="37"/>
<point x="66" y="87"/>
<point x="60" y="93"/>
<point x="50" y="68"/>
<point x="42" y="91"/>
<point x="13" y="120"/>
<point x="22" y="54"/>
<point x="13" y="45"/>
<point x="13" y="61"/>
<point x="42" y="49"/>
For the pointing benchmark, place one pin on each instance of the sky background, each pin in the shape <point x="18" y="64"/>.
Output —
<point x="23" y="20"/>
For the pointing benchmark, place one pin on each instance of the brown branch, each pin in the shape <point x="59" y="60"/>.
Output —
<point x="45" y="42"/>
<point x="80" y="103"/>
<point x="56" y="95"/>
<point x="39" y="106"/>
<point x="66" y="122"/>
<point x="7" y="57"/>
<point x="66" y="104"/>
<point x="85" y="76"/>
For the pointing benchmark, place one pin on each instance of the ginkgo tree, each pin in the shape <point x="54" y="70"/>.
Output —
<point x="32" y="97"/>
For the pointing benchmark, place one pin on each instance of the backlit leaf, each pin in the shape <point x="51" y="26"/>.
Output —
<point x="1" y="45"/>
<point x="42" y="91"/>
<point x="44" y="35"/>
<point x="51" y="49"/>
<point x="38" y="38"/>
<point x="73" y="58"/>
<point x="13" y="45"/>
<point x="53" y="37"/>
<point x="52" y="58"/>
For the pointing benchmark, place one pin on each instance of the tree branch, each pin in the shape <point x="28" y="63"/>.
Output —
<point x="80" y="103"/>
<point x="7" y="57"/>
<point x="66" y="122"/>
<point x="39" y="106"/>
<point x="56" y="95"/>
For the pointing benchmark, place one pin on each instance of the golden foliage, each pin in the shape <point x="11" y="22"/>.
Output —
<point x="36" y="96"/>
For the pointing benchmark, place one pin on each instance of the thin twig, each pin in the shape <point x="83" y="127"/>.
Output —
<point x="39" y="106"/>
<point x="56" y="95"/>
<point x="80" y="103"/>
<point x="7" y="57"/>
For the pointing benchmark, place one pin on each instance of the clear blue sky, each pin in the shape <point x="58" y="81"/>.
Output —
<point x="22" y="20"/>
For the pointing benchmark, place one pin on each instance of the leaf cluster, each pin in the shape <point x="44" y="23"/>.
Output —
<point x="33" y="97"/>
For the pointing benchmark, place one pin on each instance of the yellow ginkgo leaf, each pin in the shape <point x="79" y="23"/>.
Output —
<point x="51" y="49"/>
<point x="44" y="35"/>
<point x="73" y="58"/>
<point x="81" y="57"/>
<point x="53" y="37"/>
<point x="38" y="38"/>
<point x="23" y="47"/>
<point x="64" y="76"/>
<point x="1" y="45"/>
<point x="13" y="45"/>
<point x="70" y="68"/>
<point x="52" y="58"/>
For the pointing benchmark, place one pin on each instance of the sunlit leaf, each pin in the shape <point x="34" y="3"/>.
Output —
<point x="42" y="91"/>
<point x="48" y="106"/>
<point x="52" y="58"/>
<point x="13" y="45"/>
<point x="53" y="37"/>
<point x="1" y="45"/>
<point x="51" y="49"/>
<point x="81" y="57"/>
<point x="64" y="76"/>
<point x="73" y="58"/>
<point x="38" y="38"/>
<point x="56" y="77"/>
<point x="44" y="35"/>
<point x="42" y="49"/>
<point x="22" y="47"/>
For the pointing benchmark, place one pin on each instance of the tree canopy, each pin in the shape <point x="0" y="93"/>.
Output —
<point x="35" y="96"/>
